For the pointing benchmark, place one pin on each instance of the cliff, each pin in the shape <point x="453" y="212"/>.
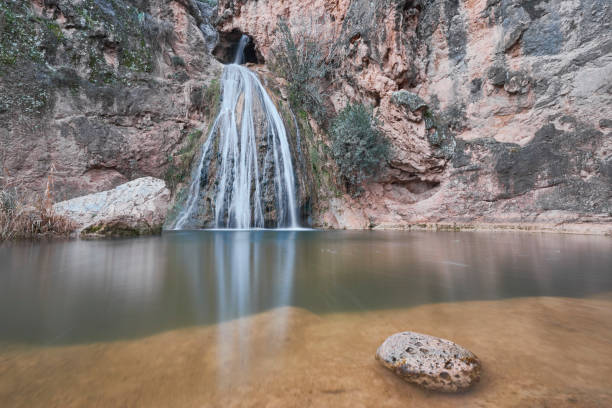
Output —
<point x="103" y="91"/>
<point x="498" y="111"/>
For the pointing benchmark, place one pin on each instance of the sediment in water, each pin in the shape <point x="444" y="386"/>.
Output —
<point x="534" y="351"/>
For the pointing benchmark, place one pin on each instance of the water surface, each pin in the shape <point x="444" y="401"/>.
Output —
<point x="293" y="319"/>
<point x="87" y="291"/>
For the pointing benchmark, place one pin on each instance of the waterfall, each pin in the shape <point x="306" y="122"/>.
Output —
<point x="246" y="148"/>
<point x="239" y="58"/>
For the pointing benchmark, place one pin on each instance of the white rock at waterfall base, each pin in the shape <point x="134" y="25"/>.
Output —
<point x="135" y="208"/>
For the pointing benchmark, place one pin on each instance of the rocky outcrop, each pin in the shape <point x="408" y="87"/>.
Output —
<point x="138" y="207"/>
<point x="103" y="91"/>
<point x="430" y="362"/>
<point x="498" y="110"/>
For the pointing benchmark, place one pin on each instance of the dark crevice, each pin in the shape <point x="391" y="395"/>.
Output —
<point x="225" y="51"/>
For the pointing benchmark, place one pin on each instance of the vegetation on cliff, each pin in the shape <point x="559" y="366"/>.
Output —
<point x="95" y="43"/>
<point x="180" y="164"/>
<point x="299" y="60"/>
<point x="23" y="218"/>
<point x="358" y="146"/>
<point x="206" y="99"/>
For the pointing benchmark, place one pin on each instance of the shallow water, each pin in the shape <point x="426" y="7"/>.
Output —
<point x="83" y="291"/>
<point x="294" y="318"/>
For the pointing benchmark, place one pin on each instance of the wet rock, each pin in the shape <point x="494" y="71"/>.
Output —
<point x="138" y="207"/>
<point x="430" y="362"/>
<point x="544" y="38"/>
<point x="207" y="13"/>
<point x="605" y="123"/>
<point x="513" y="81"/>
<point x="476" y="87"/>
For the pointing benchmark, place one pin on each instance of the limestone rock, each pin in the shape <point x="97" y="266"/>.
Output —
<point x="409" y="100"/>
<point x="516" y="21"/>
<point x="516" y="82"/>
<point x="519" y="92"/>
<point x="495" y="75"/>
<point x="104" y="101"/>
<point x="138" y="207"/>
<point x="431" y="362"/>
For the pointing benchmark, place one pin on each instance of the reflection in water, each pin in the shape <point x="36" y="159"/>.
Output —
<point x="236" y="264"/>
<point x="328" y="300"/>
<point x="84" y="291"/>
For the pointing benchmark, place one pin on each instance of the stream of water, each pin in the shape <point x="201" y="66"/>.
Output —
<point x="248" y="149"/>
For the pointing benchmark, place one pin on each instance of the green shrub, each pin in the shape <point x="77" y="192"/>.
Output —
<point x="358" y="146"/>
<point x="177" y="61"/>
<point x="301" y="63"/>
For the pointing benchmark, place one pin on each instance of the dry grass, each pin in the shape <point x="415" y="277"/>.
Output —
<point x="27" y="222"/>
<point x="31" y="219"/>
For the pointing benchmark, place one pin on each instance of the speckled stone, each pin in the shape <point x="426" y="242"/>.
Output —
<point x="433" y="363"/>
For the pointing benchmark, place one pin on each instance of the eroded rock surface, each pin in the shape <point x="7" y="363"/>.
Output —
<point x="138" y="207"/>
<point x="102" y="91"/>
<point x="430" y="362"/>
<point x="496" y="109"/>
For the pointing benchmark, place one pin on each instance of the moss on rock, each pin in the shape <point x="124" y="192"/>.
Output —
<point x="118" y="229"/>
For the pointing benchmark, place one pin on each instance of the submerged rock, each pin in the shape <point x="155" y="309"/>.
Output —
<point x="431" y="362"/>
<point x="138" y="207"/>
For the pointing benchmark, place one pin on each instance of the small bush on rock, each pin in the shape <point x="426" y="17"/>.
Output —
<point x="358" y="146"/>
<point x="300" y="61"/>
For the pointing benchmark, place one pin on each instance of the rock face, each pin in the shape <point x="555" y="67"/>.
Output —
<point x="102" y="91"/>
<point x="430" y="362"/>
<point x="138" y="207"/>
<point x="497" y="110"/>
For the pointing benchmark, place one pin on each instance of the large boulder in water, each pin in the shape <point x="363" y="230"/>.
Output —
<point x="431" y="362"/>
<point x="138" y="207"/>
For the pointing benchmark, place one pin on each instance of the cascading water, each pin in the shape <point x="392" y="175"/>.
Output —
<point x="246" y="149"/>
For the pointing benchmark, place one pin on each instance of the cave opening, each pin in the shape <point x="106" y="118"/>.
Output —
<point x="225" y="51"/>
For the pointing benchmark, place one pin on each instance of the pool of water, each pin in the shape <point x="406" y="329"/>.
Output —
<point x="294" y="318"/>
<point x="87" y="291"/>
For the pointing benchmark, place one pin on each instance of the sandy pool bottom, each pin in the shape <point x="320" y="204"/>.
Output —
<point x="536" y="352"/>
